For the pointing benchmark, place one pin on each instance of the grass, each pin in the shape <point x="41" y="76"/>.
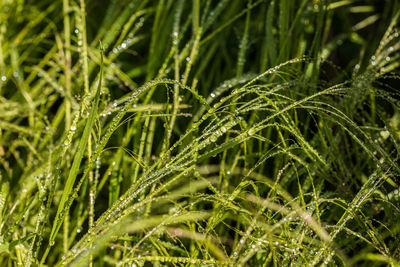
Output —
<point x="199" y="133"/>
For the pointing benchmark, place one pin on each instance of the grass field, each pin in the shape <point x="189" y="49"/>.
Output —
<point x="199" y="133"/>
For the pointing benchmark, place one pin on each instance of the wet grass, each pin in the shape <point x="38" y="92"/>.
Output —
<point x="199" y="133"/>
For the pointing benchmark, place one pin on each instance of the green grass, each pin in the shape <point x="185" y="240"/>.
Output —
<point x="199" y="133"/>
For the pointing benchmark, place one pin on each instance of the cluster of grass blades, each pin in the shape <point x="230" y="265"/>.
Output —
<point x="199" y="133"/>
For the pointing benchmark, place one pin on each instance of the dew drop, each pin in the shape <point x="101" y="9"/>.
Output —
<point x="3" y="78"/>
<point x="252" y="131"/>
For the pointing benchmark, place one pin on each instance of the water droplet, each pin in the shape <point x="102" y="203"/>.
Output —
<point x="276" y="243"/>
<point x="387" y="58"/>
<point x="78" y="230"/>
<point x="76" y="31"/>
<point x="73" y="128"/>
<point x="79" y="42"/>
<point x="212" y="95"/>
<point x="3" y="78"/>
<point x="175" y="36"/>
<point x="228" y="172"/>
<point x="188" y="59"/>
<point x="123" y="45"/>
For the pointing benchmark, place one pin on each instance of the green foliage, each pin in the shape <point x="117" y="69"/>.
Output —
<point x="199" y="133"/>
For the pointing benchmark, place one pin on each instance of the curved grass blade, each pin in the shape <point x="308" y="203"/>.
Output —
<point x="67" y="192"/>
